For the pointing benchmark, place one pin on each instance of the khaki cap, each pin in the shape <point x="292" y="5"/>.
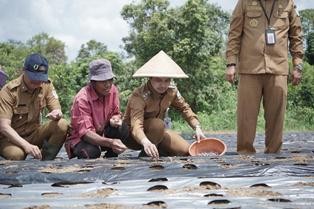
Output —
<point x="160" y="65"/>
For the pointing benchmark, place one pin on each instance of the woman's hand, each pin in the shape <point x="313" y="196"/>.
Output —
<point x="150" y="149"/>
<point x="199" y="133"/>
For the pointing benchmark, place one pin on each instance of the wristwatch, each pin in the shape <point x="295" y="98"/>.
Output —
<point x="299" y="67"/>
<point x="231" y="64"/>
<point x="197" y="126"/>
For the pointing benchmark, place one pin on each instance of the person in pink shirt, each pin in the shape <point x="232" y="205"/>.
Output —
<point x="95" y="116"/>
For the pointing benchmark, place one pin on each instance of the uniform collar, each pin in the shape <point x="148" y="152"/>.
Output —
<point x="23" y="85"/>
<point x="20" y="82"/>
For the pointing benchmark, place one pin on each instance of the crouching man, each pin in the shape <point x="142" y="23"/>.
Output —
<point x="22" y="102"/>
<point x="96" y="123"/>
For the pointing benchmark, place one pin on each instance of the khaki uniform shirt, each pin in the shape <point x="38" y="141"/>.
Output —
<point x="246" y="45"/>
<point x="146" y="103"/>
<point x="23" y="107"/>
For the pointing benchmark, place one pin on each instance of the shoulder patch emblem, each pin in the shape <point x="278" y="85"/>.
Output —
<point x="178" y="95"/>
<point x="146" y="94"/>
<point x="54" y="94"/>
<point x="296" y="10"/>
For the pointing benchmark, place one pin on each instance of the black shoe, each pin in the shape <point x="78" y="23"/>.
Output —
<point x="142" y="154"/>
<point x="110" y="154"/>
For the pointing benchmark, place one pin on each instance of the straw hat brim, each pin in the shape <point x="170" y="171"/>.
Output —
<point x="160" y="65"/>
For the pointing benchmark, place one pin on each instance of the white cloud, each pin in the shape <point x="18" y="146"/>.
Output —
<point x="75" y="22"/>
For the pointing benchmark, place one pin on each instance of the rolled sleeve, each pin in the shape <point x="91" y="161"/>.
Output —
<point x="6" y="103"/>
<point x="235" y="33"/>
<point x="296" y="38"/>
<point x="185" y="109"/>
<point x="52" y="98"/>
<point x="82" y="120"/>
<point x="137" y="118"/>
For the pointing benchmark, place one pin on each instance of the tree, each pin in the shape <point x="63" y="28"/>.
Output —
<point x="12" y="54"/>
<point x="91" y="49"/>
<point x="309" y="53"/>
<point x="190" y="34"/>
<point x="51" y="48"/>
<point x="150" y="29"/>
<point x="307" y="19"/>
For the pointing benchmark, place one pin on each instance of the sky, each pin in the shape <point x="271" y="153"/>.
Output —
<point x="75" y="22"/>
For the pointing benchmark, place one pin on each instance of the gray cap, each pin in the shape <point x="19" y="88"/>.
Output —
<point x="100" y="70"/>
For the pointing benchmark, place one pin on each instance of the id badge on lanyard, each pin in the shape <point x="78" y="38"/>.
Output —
<point x="270" y="36"/>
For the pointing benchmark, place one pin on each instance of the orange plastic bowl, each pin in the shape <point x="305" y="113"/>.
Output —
<point x="207" y="147"/>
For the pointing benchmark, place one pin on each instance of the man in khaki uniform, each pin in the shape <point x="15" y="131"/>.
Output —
<point x="21" y="104"/>
<point x="147" y="106"/>
<point x="260" y="33"/>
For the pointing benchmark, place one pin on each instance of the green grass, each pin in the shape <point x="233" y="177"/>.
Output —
<point x="298" y="119"/>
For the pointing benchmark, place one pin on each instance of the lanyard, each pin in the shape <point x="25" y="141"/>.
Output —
<point x="271" y="11"/>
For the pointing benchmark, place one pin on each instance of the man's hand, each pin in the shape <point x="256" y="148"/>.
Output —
<point x="150" y="149"/>
<point x="33" y="150"/>
<point x="230" y="74"/>
<point x="296" y="77"/>
<point x="115" y="121"/>
<point x="54" y="115"/>
<point x="117" y="146"/>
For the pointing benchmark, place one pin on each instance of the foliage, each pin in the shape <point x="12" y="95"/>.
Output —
<point x="303" y="94"/>
<point x="150" y="30"/>
<point x="12" y="54"/>
<point x="193" y="35"/>
<point x="91" y="49"/>
<point x="307" y="19"/>
<point x="309" y="53"/>
<point x="50" y="47"/>
<point x="61" y="76"/>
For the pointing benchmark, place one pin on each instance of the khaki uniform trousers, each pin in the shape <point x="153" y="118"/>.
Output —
<point x="168" y="142"/>
<point x="53" y="132"/>
<point x="273" y="90"/>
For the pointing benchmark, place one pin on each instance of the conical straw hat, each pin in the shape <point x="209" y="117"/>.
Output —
<point x="160" y="65"/>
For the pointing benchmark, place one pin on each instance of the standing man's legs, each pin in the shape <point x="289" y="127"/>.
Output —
<point x="249" y="98"/>
<point x="274" y="101"/>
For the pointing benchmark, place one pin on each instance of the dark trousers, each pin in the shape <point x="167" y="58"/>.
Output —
<point x="85" y="150"/>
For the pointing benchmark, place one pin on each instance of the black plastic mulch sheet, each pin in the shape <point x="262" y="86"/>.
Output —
<point x="284" y="180"/>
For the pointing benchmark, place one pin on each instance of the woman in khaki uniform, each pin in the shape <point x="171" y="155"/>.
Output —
<point x="147" y="106"/>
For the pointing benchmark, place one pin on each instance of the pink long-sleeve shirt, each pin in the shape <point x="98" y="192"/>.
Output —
<point x="90" y="112"/>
